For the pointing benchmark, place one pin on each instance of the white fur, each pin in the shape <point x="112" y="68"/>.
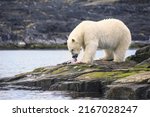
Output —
<point x="112" y="35"/>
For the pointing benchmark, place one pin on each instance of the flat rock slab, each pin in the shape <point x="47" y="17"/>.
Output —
<point x="138" y="78"/>
<point x="128" y="91"/>
<point x="105" y="79"/>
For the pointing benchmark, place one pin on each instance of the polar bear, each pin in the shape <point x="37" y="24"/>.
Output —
<point x="112" y="35"/>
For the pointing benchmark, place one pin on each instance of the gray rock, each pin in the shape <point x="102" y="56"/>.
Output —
<point x="145" y="62"/>
<point x="143" y="50"/>
<point x="21" y="44"/>
<point x="142" y="54"/>
<point x="138" y="78"/>
<point x="120" y="92"/>
<point x="128" y="91"/>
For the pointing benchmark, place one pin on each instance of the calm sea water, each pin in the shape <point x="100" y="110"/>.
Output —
<point x="17" y="61"/>
<point x="13" y="62"/>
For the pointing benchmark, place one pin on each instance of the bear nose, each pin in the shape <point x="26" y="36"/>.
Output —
<point x="75" y="56"/>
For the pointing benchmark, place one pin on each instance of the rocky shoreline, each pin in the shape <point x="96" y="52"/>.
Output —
<point x="102" y="79"/>
<point x="38" y="24"/>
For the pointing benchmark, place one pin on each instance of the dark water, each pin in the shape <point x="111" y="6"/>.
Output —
<point x="19" y="61"/>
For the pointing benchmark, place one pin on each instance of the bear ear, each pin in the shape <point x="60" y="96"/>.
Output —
<point x="73" y="40"/>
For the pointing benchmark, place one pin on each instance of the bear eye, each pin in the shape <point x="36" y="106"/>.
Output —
<point x="73" y="40"/>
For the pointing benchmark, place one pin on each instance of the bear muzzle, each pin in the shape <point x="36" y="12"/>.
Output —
<point x="74" y="56"/>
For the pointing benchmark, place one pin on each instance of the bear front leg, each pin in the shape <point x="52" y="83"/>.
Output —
<point x="89" y="53"/>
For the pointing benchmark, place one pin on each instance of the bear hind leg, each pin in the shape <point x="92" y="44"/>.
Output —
<point x="119" y="54"/>
<point x="109" y="55"/>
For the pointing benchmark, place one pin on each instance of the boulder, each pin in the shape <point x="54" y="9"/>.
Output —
<point x="141" y="55"/>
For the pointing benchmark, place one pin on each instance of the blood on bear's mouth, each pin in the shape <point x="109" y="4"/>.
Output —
<point x="74" y="59"/>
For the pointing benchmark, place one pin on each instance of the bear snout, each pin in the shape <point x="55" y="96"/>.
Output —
<point x="74" y="56"/>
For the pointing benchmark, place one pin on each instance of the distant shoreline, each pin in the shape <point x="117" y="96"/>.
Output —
<point x="33" y="47"/>
<point x="41" y="46"/>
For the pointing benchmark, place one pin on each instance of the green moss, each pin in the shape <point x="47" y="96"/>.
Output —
<point x="108" y="75"/>
<point x="41" y="69"/>
<point x="47" y="71"/>
<point x="142" y="69"/>
<point x="22" y="75"/>
<point x="95" y="75"/>
<point x="51" y="70"/>
<point x="138" y="68"/>
<point x="92" y="71"/>
<point x="144" y="66"/>
<point x="123" y="75"/>
<point x="60" y="70"/>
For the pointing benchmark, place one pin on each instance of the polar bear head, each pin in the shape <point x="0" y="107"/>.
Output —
<point x="74" y="47"/>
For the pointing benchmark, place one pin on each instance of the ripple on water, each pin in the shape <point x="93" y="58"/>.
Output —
<point x="33" y="95"/>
